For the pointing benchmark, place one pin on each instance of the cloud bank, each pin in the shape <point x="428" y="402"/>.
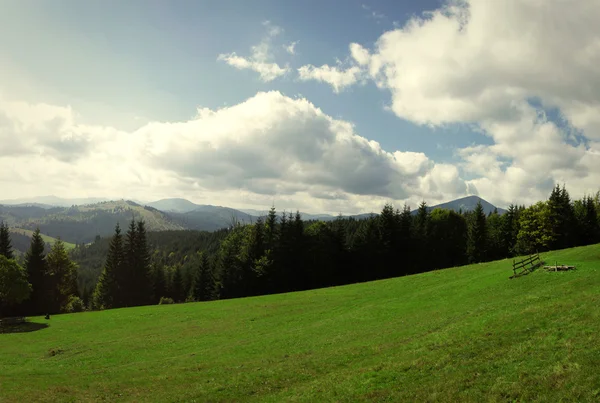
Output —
<point x="523" y="72"/>
<point x="269" y="148"/>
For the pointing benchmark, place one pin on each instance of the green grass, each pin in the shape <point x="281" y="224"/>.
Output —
<point x="459" y="335"/>
<point x="46" y="238"/>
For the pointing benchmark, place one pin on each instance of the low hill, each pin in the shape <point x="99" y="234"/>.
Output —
<point x="465" y="334"/>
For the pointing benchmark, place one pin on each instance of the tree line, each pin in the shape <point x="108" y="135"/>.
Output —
<point x="46" y="284"/>
<point x="283" y="253"/>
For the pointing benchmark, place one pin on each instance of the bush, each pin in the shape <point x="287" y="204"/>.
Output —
<point x="75" y="304"/>
<point x="165" y="301"/>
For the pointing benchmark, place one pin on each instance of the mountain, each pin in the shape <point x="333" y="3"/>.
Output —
<point x="174" y="205"/>
<point x="81" y="224"/>
<point x="467" y="204"/>
<point x="53" y="201"/>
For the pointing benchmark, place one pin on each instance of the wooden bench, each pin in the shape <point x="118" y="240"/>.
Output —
<point x="12" y="321"/>
<point x="526" y="265"/>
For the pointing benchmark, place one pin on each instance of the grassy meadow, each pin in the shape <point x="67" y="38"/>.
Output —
<point x="462" y="334"/>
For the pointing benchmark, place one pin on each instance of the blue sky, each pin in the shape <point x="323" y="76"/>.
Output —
<point x="429" y="90"/>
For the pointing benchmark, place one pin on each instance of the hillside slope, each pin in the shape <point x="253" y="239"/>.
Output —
<point x="81" y="224"/>
<point x="465" y="334"/>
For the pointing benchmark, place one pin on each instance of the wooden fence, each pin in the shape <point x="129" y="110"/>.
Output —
<point x="526" y="265"/>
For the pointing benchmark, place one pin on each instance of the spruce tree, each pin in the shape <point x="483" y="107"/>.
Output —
<point x="177" y="291"/>
<point x="108" y="291"/>
<point x="477" y="236"/>
<point x="5" y="242"/>
<point x="159" y="282"/>
<point x="204" y="284"/>
<point x="61" y="277"/>
<point x="35" y="264"/>
<point x="126" y="278"/>
<point x="141" y="274"/>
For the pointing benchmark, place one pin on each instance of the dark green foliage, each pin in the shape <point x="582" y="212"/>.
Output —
<point x="177" y="288"/>
<point x="14" y="287"/>
<point x="61" y="278"/>
<point x="159" y="282"/>
<point x="477" y="236"/>
<point x="107" y="293"/>
<point x="204" y="284"/>
<point x="5" y="242"/>
<point x="448" y="239"/>
<point x="142" y="287"/>
<point x="562" y="219"/>
<point x="36" y="267"/>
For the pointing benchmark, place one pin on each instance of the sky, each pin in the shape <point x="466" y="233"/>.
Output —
<point x="324" y="106"/>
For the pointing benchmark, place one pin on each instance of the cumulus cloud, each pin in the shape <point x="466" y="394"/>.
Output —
<point x="498" y="66"/>
<point x="261" y="57"/>
<point x="269" y="148"/>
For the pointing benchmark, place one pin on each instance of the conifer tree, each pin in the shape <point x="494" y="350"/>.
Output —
<point x="477" y="236"/>
<point x="204" y="284"/>
<point x="107" y="293"/>
<point x="35" y="264"/>
<point x="5" y="242"/>
<point x="61" y="277"/>
<point x="126" y="277"/>
<point x="159" y="282"/>
<point x="177" y="291"/>
<point x="141" y="276"/>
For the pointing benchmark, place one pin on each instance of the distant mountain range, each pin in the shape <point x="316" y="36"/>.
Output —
<point x="81" y="220"/>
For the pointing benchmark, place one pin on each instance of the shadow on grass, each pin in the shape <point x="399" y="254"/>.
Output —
<point x="25" y="327"/>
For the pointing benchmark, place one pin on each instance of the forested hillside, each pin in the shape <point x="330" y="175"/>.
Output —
<point x="284" y="253"/>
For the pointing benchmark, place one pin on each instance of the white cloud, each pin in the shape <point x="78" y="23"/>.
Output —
<point x="344" y="74"/>
<point x="261" y="57"/>
<point x="270" y="148"/>
<point x="338" y="77"/>
<point x="291" y="48"/>
<point x="482" y="63"/>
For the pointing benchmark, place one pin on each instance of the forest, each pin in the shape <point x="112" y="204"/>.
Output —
<point x="283" y="253"/>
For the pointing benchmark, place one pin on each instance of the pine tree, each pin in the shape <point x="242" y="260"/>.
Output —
<point x="159" y="282"/>
<point x="477" y="236"/>
<point x="204" y="284"/>
<point x="271" y="229"/>
<point x="5" y="242"/>
<point x="177" y="291"/>
<point x="61" y="277"/>
<point x="108" y="291"/>
<point x="126" y="277"/>
<point x="421" y="237"/>
<point x="35" y="264"/>
<point x="141" y="274"/>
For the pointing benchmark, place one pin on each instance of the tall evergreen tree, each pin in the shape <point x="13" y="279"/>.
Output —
<point x="35" y="264"/>
<point x="421" y="237"/>
<point x="177" y="288"/>
<point x="108" y="291"/>
<point x="126" y="277"/>
<point x="204" y="284"/>
<point x="5" y="242"/>
<point x="142" y="291"/>
<point x="159" y="282"/>
<point x="61" y="277"/>
<point x="477" y="236"/>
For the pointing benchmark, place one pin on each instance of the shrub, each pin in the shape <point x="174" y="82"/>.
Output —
<point x="165" y="301"/>
<point x="75" y="304"/>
